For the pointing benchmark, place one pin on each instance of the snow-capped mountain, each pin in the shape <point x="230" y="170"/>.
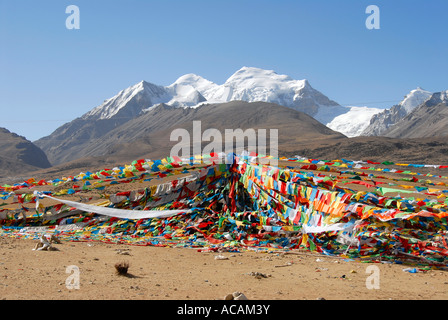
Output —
<point x="254" y="84"/>
<point x="247" y="84"/>
<point x="190" y="91"/>
<point x="429" y="119"/>
<point x="129" y="102"/>
<point x="414" y="99"/>
<point x="354" y="122"/>
<point x="382" y="121"/>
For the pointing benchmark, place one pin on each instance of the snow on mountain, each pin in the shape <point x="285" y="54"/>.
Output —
<point x="414" y="99"/>
<point x="247" y="84"/>
<point x="254" y="84"/>
<point x="354" y="122"/>
<point x="430" y="119"/>
<point x="251" y="85"/>
<point x="382" y="121"/>
<point x="130" y="101"/>
<point x="194" y="82"/>
<point x="189" y="91"/>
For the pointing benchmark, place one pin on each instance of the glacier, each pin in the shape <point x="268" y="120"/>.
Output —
<point x="354" y="122"/>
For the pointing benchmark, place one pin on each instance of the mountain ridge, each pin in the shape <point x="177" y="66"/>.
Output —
<point x="247" y="84"/>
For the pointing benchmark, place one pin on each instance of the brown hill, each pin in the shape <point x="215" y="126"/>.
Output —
<point x="149" y="134"/>
<point x="18" y="155"/>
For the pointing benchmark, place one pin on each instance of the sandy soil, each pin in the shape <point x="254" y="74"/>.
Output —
<point x="187" y="274"/>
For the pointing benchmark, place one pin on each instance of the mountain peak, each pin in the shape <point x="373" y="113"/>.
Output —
<point x="138" y="86"/>
<point x="141" y="93"/>
<point x="257" y="75"/>
<point x="194" y="81"/>
<point x="415" y="98"/>
<point x="247" y="69"/>
<point x="189" y="77"/>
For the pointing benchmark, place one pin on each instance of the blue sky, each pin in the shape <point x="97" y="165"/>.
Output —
<point x="50" y="75"/>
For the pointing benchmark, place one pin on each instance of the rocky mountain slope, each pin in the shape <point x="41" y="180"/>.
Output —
<point x="428" y="120"/>
<point x="382" y="121"/>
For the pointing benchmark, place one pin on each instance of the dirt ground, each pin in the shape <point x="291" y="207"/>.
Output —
<point x="161" y="273"/>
